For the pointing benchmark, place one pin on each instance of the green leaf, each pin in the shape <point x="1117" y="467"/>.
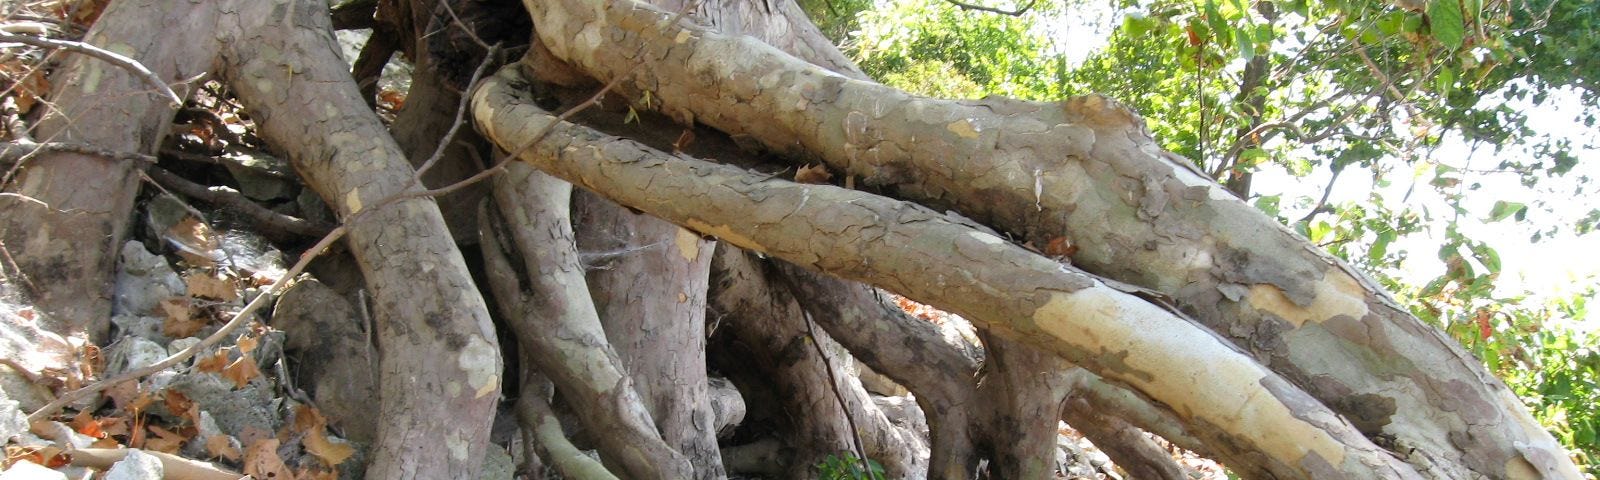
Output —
<point x="1487" y="256"/>
<point x="1215" y="21"/>
<point x="1444" y="81"/>
<point x="1318" y="230"/>
<point x="1444" y="17"/>
<point x="1503" y="209"/>
<point x="1247" y="43"/>
<point x="1380" y="247"/>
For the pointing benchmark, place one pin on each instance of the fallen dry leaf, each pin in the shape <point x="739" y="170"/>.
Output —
<point x="313" y="473"/>
<point x="332" y="454"/>
<point x="1060" y="247"/>
<point x="85" y="424"/>
<point x="205" y="285"/>
<point x="165" y="441"/>
<point x="262" y="462"/>
<point x="180" y="405"/>
<point x="309" y="421"/>
<point x="241" y="371"/>
<point x="213" y="363"/>
<point x="248" y="343"/>
<point x="812" y="174"/>
<point x="180" y="321"/>
<point x="49" y="456"/>
<point x="195" y="241"/>
<point x="124" y="395"/>
<point x="221" y="446"/>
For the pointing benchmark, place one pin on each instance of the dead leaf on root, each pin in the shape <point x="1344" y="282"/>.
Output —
<point x="205" y="285"/>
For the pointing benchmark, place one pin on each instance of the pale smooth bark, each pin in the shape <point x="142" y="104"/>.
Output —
<point x="1254" y="416"/>
<point x="438" y="354"/>
<point x="1087" y="171"/>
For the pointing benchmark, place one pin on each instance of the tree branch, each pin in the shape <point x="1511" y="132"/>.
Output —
<point x="120" y="60"/>
<point x="1014" y="12"/>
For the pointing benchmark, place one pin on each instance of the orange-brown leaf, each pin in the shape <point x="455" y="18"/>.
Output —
<point x="241" y="371"/>
<point x="166" y="441"/>
<point x="85" y="424"/>
<point x="261" y="461"/>
<point x="213" y="363"/>
<point x="812" y="174"/>
<point x="180" y="321"/>
<point x="180" y="405"/>
<point x="221" y="446"/>
<point x="1060" y="247"/>
<point x="332" y="454"/>
<point x="211" y="286"/>
<point x="248" y="343"/>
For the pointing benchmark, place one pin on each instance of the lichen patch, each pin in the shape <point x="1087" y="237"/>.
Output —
<point x="480" y="361"/>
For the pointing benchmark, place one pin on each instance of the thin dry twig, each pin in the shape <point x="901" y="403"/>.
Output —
<point x="13" y="152"/>
<point x="461" y="116"/>
<point x="1013" y="13"/>
<point x="833" y="383"/>
<point x="115" y="58"/>
<point x="261" y="216"/>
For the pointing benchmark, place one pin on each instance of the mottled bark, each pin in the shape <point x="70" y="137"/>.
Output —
<point x="648" y="281"/>
<point x="764" y="317"/>
<point x="66" y="214"/>
<point x="1021" y="389"/>
<point x="1257" y="419"/>
<point x="909" y="351"/>
<point x="438" y="353"/>
<point x="945" y="383"/>
<point x="1127" y="446"/>
<point x="538" y="281"/>
<point x="1086" y="170"/>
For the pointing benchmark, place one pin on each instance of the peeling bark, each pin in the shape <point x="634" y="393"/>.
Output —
<point x="1086" y="169"/>
<point x="544" y="298"/>
<point x="439" y="357"/>
<point x="1251" y="414"/>
<point x="648" y="285"/>
<point x="67" y="213"/>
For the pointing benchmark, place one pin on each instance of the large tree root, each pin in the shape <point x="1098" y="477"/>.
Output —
<point x="1263" y="423"/>
<point x="1085" y="172"/>
<point x="543" y="296"/>
<point x="439" y="357"/>
<point x="764" y="318"/>
<point x="67" y="213"/>
<point x="648" y="279"/>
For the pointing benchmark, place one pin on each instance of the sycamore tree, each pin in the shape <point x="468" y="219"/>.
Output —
<point x="746" y="193"/>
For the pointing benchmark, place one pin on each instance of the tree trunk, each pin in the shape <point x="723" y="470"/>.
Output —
<point x="648" y="279"/>
<point x="67" y="213"/>
<point x="438" y="353"/>
<point x="1086" y="171"/>
<point x="1246" y="409"/>
<point x="544" y="299"/>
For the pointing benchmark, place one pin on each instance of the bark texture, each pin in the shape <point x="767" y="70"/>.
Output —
<point x="438" y="353"/>
<point x="538" y="280"/>
<point x="1086" y="170"/>
<point x="1261" y="420"/>
<point x="67" y="213"/>
<point x="764" y="317"/>
<point x="648" y="281"/>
